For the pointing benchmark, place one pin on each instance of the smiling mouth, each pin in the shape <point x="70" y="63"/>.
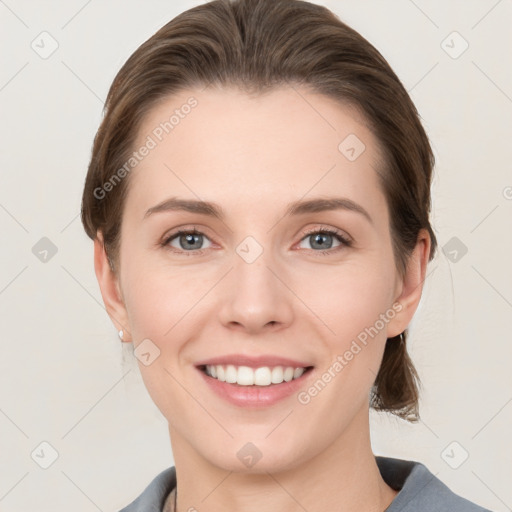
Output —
<point x="247" y="376"/>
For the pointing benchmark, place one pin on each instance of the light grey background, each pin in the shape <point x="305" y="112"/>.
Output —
<point x="63" y="379"/>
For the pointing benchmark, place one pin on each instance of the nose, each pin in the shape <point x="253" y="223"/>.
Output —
<point x="254" y="296"/>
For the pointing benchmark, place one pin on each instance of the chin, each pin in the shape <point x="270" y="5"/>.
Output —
<point x="257" y="456"/>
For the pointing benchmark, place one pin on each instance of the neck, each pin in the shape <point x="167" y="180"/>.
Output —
<point x="343" y="477"/>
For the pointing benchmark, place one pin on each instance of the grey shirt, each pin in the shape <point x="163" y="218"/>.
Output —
<point x="419" y="490"/>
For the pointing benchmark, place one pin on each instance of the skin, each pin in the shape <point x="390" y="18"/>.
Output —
<point x="253" y="156"/>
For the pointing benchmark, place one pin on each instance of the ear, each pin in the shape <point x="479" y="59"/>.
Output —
<point x="410" y="286"/>
<point x="110" y="288"/>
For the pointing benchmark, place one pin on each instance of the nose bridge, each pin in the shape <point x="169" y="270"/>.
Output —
<point x="254" y="296"/>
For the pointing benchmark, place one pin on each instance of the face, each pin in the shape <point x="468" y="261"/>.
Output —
<point x="269" y="282"/>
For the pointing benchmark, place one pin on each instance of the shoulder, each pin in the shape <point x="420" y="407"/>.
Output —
<point x="153" y="496"/>
<point x="419" y="489"/>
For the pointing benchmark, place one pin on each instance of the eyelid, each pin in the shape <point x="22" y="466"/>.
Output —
<point x="345" y="240"/>
<point x="330" y="230"/>
<point x="184" y="230"/>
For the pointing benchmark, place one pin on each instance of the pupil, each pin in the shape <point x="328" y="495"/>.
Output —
<point x="190" y="238"/>
<point x="318" y="239"/>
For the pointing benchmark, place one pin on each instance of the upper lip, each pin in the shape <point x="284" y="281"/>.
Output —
<point x="253" y="361"/>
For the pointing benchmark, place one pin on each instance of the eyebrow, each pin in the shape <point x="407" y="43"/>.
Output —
<point x="293" y="209"/>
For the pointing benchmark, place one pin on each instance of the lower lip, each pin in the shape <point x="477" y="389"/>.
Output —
<point x="254" y="396"/>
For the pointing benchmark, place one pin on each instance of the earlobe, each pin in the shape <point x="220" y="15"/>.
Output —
<point x="411" y="285"/>
<point x="110" y="290"/>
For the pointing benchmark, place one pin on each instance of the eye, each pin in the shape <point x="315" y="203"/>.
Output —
<point x="185" y="240"/>
<point x="322" y="240"/>
<point x="190" y="241"/>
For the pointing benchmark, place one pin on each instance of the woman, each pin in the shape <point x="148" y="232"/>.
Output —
<point x="258" y="196"/>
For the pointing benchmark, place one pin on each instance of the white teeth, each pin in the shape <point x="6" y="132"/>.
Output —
<point x="277" y="375"/>
<point x="262" y="376"/>
<point x="231" y="374"/>
<point x="246" y="376"/>
<point x="288" y="374"/>
<point x="298" y="372"/>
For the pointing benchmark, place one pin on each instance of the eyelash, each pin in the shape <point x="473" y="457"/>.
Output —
<point x="345" y="241"/>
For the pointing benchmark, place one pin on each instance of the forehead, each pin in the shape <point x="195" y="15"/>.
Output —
<point x="221" y="143"/>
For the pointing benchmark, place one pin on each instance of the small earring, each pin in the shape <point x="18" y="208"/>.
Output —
<point x="121" y="333"/>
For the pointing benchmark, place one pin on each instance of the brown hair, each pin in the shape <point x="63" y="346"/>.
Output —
<point x="256" y="45"/>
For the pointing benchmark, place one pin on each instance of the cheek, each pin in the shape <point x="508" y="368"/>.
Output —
<point x="164" y="301"/>
<point x="350" y="298"/>
<point x="162" y="312"/>
<point x="165" y="308"/>
<point x="356" y="304"/>
<point x="159" y="295"/>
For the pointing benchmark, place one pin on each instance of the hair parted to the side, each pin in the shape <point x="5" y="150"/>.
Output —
<point x="256" y="45"/>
